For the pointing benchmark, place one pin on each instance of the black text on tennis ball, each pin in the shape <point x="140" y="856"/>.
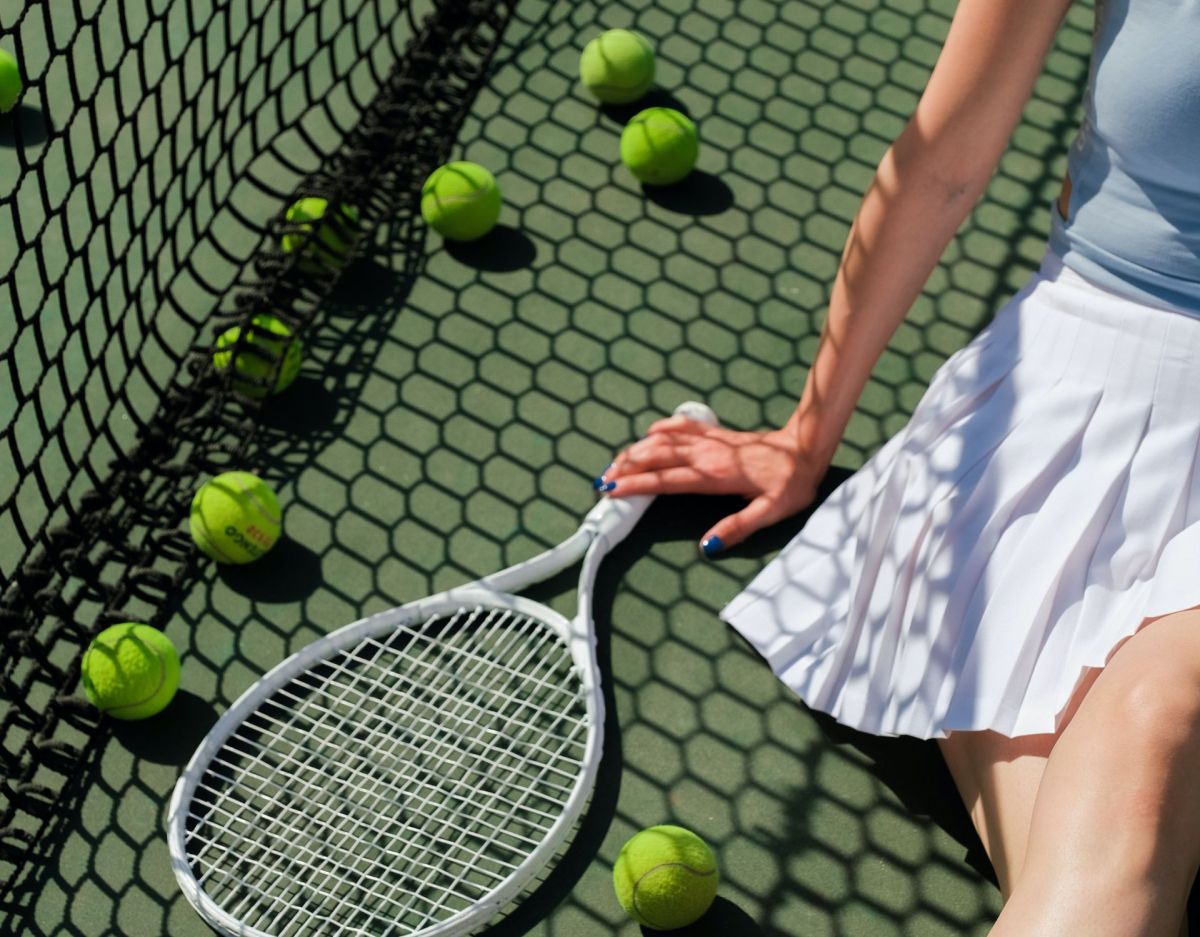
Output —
<point x="659" y="145"/>
<point x="235" y="518"/>
<point x="617" y="67"/>
<point x="323" y="243"/>
<point x="10" y="82"/>
<point x="461" y="201"/>
<point x="268" y="347"/>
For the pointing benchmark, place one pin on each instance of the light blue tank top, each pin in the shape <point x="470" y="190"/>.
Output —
<point x="1133" y="222"/>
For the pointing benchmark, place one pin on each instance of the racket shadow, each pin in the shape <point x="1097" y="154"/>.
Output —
<point x="551" y="887"/>
<point x="669" y="519"/>
<point x="681" y="518"/>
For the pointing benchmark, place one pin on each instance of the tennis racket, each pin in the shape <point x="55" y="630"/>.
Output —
<point x="410" y="773"/>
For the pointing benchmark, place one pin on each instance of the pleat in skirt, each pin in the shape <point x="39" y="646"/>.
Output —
<point x="1040" y="504"/>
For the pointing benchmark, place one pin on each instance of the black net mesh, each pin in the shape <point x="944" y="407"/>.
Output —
<point x="158" y="189"/>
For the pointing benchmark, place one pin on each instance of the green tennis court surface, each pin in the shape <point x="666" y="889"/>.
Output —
<point x="455" y="404"/>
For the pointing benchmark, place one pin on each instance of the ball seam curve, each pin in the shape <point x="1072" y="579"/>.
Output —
<point x="162" y="675"/>
<point x="656" y="868"/>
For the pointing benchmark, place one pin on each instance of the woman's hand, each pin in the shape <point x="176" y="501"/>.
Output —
<point x="679" y="455"/>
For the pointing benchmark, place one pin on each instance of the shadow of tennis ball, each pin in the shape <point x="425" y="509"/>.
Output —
<point x="655" y="97"/>
<point x="172" y="735"/>
<point x="699" y="193"/>
<point x="501" y="250"/>
<point x="722" y="919"/>
<point x="289" y="573"/>
<point x="362" y="284"/>
<point x="30" y="125"/>
<point x="307" y="407"/>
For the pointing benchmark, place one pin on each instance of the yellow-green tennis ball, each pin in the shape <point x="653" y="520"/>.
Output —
<point x="665" y="877"/>
<point x="617" y="66"/>
<point x="235" y="517"/>
<point x="330" y="246"/>
<point x="659" y="145"/>
<point x="260" y="352"/>
<point x="130" y="671"/>
<point x="10" y="82"/>
<point x="461" y="201"/>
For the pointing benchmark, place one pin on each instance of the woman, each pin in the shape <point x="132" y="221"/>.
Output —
<point x="1015" y="574"/>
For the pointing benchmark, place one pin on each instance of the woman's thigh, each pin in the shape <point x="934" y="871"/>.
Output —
<point x="998" y="778"/>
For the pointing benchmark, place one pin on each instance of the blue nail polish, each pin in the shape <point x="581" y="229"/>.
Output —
<point x="712" y="546"/>
<point x="607" y="486"/>
<point x="598" y="481"/>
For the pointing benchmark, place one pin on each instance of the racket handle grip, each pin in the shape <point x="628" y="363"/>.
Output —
<point x="614" y="518"/>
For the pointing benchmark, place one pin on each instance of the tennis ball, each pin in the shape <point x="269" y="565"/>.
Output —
<point x="130" y="671"/>
<point x="461" y="201"/>
<point x="257" y="357"/>
<point x="330" y="246"/>
<point x="665" y="877"/>
<point x="10" y="82"/>
<point x="235" y="517"/>
<point x="659" y="145"/>
<point x="617" y="66"/>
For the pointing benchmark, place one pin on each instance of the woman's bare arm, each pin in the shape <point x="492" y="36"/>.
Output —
<point x="927" y="182"/>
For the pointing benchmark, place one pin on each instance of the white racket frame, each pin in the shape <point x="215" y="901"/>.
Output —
<point x="606" y="525"/>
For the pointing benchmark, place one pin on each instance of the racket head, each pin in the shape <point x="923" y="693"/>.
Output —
<point x="350" y="787"/>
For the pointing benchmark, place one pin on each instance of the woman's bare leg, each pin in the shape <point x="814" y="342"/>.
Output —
<point x="998" y="779"/>
<point x="1114" y="837"/>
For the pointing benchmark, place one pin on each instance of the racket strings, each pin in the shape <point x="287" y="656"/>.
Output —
<point x="397" y="783"/>
<point x="277" y="724"/>
<point x="294" y="852"/>
<point x="527" y="842"/>
<point x="357" y="896"/>
<point x="343" y="697"/>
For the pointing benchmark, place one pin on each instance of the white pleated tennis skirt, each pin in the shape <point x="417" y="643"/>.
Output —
<point x="1042" y="501"/>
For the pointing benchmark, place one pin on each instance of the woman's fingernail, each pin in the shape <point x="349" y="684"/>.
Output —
<point x="606" y="487"/>
<point x="598" y="481"/>
<point x="711" y="546"/>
